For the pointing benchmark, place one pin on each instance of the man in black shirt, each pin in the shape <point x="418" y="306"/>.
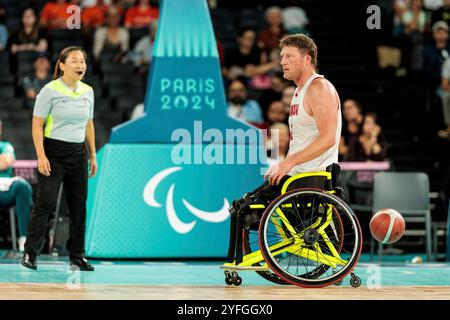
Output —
<point x="246" y="60"/>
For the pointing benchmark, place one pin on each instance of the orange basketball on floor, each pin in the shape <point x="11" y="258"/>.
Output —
<point x="387" y="226"/>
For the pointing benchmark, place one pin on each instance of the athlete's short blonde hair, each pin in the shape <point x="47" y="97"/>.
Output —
<point x="304" y="43"/>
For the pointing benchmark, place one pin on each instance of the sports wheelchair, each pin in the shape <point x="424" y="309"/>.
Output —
<point x="308" y="236"/>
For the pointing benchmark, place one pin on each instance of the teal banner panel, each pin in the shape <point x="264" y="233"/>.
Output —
<point x="141" y="205"/>
<point x="166" y="179"/>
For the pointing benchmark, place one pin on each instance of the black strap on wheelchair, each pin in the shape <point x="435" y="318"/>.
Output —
<point x="239" y="242"/>
<point x="232" y="242"/>
<point x="235" y="251"/>
<point x="335" y="170"/>
<point x="238" y="211"/>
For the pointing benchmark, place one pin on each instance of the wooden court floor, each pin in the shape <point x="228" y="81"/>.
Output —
<point x="203" y="280"/>
<point x="38" y="291"/>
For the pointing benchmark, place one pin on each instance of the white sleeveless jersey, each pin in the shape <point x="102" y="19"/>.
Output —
<point x="303" y="131"/>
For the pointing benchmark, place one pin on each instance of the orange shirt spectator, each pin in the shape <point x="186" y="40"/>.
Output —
<point x="54" y="15"/>
<point x="141" y="15"/>
<point x="93" y="17"/>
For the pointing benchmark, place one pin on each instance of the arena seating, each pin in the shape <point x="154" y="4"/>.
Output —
<point x="343" y="58"/>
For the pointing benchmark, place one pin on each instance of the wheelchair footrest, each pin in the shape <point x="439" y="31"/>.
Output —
<point x="242" y="268"/>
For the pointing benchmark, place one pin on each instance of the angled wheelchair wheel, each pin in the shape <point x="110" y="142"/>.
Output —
<point x="310" y="238"/>
<point x="250" y="244"/>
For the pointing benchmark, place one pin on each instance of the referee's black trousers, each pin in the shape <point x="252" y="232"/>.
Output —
<point x="68" y="163"/>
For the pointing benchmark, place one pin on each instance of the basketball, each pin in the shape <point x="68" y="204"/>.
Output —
<point x="387" y="226"/>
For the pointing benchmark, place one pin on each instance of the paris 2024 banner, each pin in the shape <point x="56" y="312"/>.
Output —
<point x="166" y="179"/>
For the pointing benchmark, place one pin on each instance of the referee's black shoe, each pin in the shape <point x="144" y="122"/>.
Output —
<point x="29" y="261"/>
<point x="81" y="264"/>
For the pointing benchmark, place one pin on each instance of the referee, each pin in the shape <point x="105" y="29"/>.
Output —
<point x="62" y="127"/>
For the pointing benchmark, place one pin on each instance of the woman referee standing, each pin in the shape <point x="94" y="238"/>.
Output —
<point x="62" y="127"/>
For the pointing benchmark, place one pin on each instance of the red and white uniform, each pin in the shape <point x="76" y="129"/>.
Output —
<point x="303" y="130"/>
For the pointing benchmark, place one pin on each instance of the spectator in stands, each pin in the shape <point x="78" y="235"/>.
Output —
<point x="54" y="15"/>
<point x="141" y="15"/>
<point x="442" y="13"/>
<point x="400" y="7"/>
<point x="274" y="92"/>
<point x="352" y="111"/>
<point x="93" y="15"/>
<point x="432" y="4"/>
<point x="278" y="142"/>
<point x="269" y="37"/>
<point x="286" y="98"/>
<point x="113" y="38"/>
<point x="434" y="57"/>
<point x="263" y="81"/>
<point x="29" y="37"/>
<point x="415" y="24"/>
<point x="142" y="52"/>
<point x="104" y="5"/>
<point x="445" y="86"/>
<point x="414" y="18"/>
<point x="31" y="85"/>
<point x="247" y="60"/>
<point x="369" y="143"/>
<point x="399" y="54"/>
<point x="126" y="4"/>
<point x="294" y="18"/>
<point x="3" y="30"/>
<point x="14" y="190"/>
<point x="275" y="113"/>
<point x="239" y="106"/>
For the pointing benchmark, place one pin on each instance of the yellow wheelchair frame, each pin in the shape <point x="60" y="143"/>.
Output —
<point x="292" y="243"/>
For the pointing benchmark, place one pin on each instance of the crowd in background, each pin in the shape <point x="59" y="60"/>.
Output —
<point x="253" y="64"/>
<point x="418" y="46"/>
<point x="255" y="88"/>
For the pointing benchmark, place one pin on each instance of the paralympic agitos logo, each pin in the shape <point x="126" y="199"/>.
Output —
<point x="174" y="221"/>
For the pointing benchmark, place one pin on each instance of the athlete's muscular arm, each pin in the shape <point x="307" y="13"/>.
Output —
<point x="322" y="101"/>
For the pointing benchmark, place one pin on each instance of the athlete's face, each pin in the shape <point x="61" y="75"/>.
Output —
<point x="293" y="62"/>
<point x="75" y="65"/>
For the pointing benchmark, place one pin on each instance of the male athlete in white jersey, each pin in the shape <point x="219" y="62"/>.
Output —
<point x="315" y="130"/>
<point x="315" y="116"/>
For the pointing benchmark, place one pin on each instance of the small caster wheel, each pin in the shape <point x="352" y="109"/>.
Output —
<point x="355" y="281"/>
<point x="237" y="280"/>
<point x="228" y="279"/>
<point x="339" y="282"/>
